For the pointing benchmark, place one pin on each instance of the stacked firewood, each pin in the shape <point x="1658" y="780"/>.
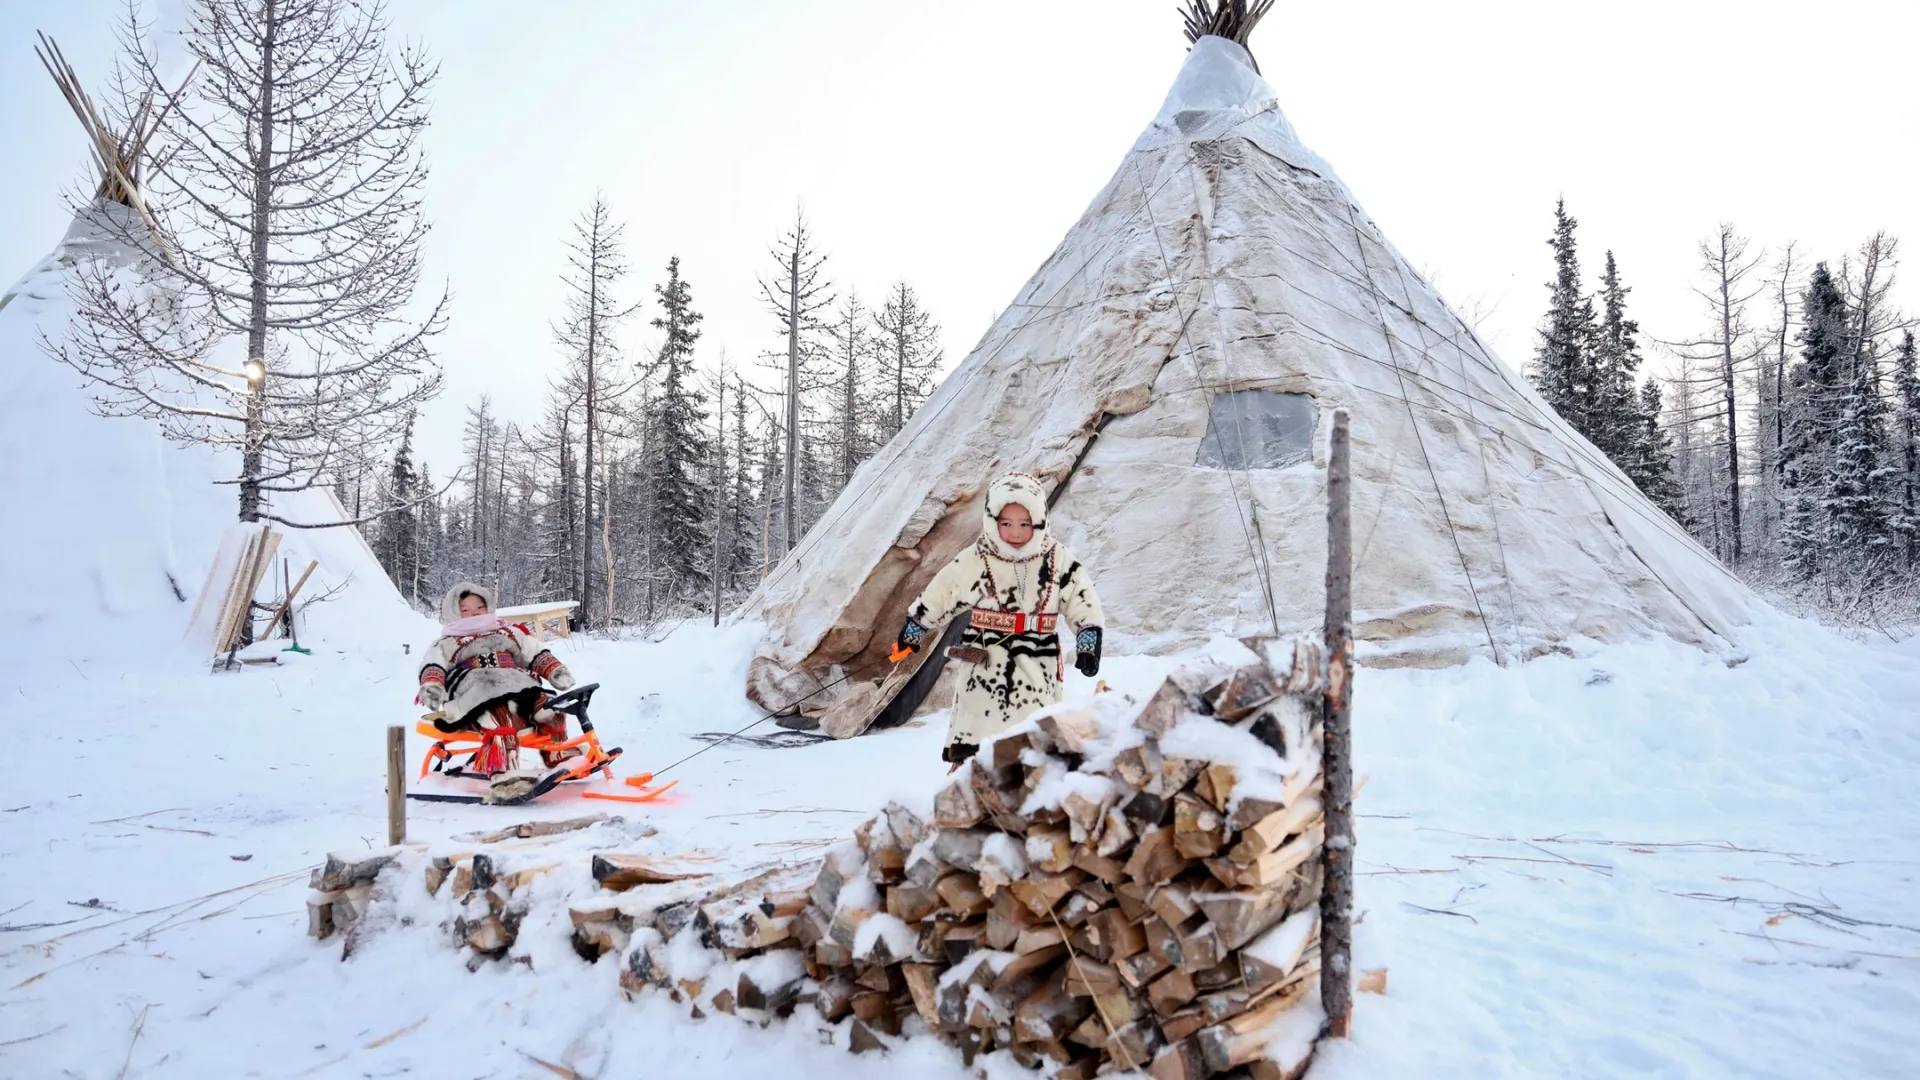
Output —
<point x="1118" y="888"/>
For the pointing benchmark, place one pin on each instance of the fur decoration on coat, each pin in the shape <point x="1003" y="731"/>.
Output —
<point x="1012" y="673"/>
<point x="470" y="672"/>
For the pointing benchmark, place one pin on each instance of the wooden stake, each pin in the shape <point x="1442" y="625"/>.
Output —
<point x="1336" y="898"/>
<point x="396" y="784"/>
<point x="288" y="603"/>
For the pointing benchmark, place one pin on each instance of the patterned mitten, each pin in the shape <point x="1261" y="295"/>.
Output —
<point x="912" y="634"/>
<point x="1087" y="645"/>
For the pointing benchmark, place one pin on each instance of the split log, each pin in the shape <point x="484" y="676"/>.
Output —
<point x="1182" y="1025"/>
<point x="1243" y="693"/>
<point x="619" y="873"/>
<point x="957" y="807"/>
<point x="320" y="913"/>
<point x="1048" y="1013"/>
<point x="911" y="904"/>
<point x="1008" y="748"/>
<point x="1242" y="916"/>
<point x="1200" y="948"/>
<point x="1138" y="766"/>
<point x="1176" y="773"/>
<point x="1041" y="892"/>
<point x="1270" y="832"/>
<point x="960" y="848"/>
<point x="908" y="829"/>
<point x="1091" y="979"/>
<point x="1114" y="935"/>
<point x="1146" y="808"/>
<point x="835" y="998"/>
<point x="1215" y="784"/>
<point x="342" y="870"/>
<point x="862" y="1040"/>
<point x="962" y="894"/>
<point x="1049" y="850"/>
<point x="1015" y="976"/>
<point x="1111" y="871"/>
<point x="1173" y="903"/>
<point x="529" y="829"/>
<point x="1071" y="732"/>
<point x="1178" y="1061"/>
<point x="1243" y="1038"/>
<point x="1156" y="859"/>
<point x="1084" y="814"/>
<point x="1273" y="868"/>
<point x="1116" y="834"/>
<point x="1163" y="711"/>
<point x="1197" y="831"/>
<point x="923" y="983"/>
<point x="1170" y="992"/>
<point x="875" y="1009"/>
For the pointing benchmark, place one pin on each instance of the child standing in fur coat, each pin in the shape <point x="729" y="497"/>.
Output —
<point x="1014" y="587"/>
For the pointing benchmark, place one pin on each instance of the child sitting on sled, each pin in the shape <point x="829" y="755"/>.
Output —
<point x="483" y="674"/>
<point x="1014" y="587"/>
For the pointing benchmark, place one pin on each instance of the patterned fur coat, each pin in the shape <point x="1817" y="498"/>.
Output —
<point x="479" y="670"/>
<point x="1005" y="675"/>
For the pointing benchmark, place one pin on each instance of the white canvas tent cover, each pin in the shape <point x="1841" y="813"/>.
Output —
<point x="1151" y="372"/>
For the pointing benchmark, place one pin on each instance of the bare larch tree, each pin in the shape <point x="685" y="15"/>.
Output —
<point x="288" y="178"/>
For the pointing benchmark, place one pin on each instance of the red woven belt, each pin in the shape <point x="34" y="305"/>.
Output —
<point x="1014" y="622"/>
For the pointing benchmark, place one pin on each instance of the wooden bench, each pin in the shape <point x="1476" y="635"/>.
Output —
<point x="546" y="620"/>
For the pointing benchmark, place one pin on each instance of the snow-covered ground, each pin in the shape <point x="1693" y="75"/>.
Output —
<point x="1639" y="861"/>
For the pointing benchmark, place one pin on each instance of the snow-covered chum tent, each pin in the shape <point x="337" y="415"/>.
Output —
<point x="1170" y="371"/>
<point x="110" y="525"/>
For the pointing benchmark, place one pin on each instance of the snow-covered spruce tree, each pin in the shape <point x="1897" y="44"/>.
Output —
<point x="682" y="460"/>
<point x="1615" y="409"/>
<point x="396" y="531"/>
<point x="596" y="265"/>
<point x="852" y="359"/>
<point x="795" y="296"/>
<point x="1562" y="368"/>
<point x="1727" y="351"/>
<point x="1906" y="454"/>
<point x="1812" y="407"/>
<point x="743" y="501"/>
<point x="909" y="354"/>
<point x="1651" y="462"/>
<point x="288" y="179"/>
<point x="1856" y="498"/>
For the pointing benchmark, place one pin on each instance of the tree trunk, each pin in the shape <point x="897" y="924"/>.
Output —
<point x="593" y="428"/>
<point x="719" y="483"/>
<point x="793" y="389"/>
<point x="254" y="449"/>
<point x="1336" y="897"/>
<point x="1733" y="429"/>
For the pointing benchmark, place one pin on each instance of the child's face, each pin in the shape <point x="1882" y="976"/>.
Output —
<point x="471" y="605"/>
<point x="1016" y="525"/>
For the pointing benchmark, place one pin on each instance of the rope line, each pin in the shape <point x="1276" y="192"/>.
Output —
<point x="1421" y="440"/>
<point x="1486" y="473"/>
<point x="1254" y="546"/>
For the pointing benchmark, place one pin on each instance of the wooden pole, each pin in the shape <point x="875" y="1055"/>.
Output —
<point x="1336" y="896"/>
<point x="396" y="784"/>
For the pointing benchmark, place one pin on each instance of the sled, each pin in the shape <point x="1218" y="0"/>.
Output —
<point x="593" y="759"/>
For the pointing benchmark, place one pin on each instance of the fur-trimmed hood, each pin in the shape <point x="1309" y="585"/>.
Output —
<point x="1024" y="489"/>
<point x="450" y="604"/>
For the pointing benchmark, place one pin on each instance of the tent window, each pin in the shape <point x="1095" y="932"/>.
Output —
<point x="1258" y="429"/>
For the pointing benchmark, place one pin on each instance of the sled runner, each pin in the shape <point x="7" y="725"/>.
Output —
<point x="576" y="759"/>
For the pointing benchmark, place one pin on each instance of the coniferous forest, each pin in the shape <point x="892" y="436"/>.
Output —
<point x="1780" y="431"/>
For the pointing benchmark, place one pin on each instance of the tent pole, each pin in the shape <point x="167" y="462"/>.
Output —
<point x="1336" y="897"/>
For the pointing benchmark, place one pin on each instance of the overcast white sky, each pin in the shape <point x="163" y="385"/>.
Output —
<point x="952" y="144"/>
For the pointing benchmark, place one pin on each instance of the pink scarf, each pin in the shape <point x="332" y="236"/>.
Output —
<point x="474" y="625"/>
